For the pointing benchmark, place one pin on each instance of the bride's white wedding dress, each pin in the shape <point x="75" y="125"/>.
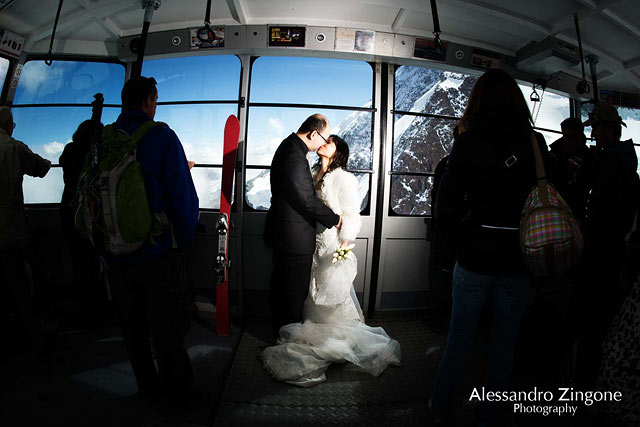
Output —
<point x="333" y="330"/>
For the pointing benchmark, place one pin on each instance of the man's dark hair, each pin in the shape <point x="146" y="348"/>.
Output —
<point x="572" y="123"/>
<point x="136" y="91"/>
<point x="315" y="122"/>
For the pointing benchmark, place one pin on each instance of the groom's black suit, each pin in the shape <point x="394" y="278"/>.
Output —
<point x="290" y="229"/>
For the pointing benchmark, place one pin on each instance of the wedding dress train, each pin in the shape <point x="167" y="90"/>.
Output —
<point x="333" y="330"/>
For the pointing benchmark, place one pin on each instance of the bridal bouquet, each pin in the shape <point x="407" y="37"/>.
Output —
<point x="342" y="253"/>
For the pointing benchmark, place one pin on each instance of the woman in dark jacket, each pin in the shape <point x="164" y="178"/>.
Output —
<point x="489" y="175"/>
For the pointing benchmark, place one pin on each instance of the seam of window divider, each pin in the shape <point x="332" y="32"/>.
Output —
<point x="315" y="106"/>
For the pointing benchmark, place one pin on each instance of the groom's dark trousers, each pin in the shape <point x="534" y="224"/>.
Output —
<point x="290" y="229"/>
<point x="289" y="287"/>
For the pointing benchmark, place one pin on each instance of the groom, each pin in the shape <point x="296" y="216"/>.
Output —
<point x="290" y="228"/>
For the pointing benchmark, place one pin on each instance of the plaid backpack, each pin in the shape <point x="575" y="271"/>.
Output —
<point x="550" y="237"/>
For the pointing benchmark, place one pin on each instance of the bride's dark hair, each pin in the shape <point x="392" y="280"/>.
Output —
<point x="340" y="158"/>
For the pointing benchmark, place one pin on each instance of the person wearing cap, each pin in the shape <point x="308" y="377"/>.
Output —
<point x="611" y="210"/>
<point x="574" y="165"/>
<point x="16" y="160"/>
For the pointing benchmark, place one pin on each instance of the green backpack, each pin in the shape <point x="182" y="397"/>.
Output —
<point x="111" y="207"/>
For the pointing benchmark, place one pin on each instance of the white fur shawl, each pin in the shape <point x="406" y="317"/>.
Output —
<point x="339" y="191"/>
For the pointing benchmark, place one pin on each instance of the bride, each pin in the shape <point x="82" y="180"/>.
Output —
<point x="333" y="330"/>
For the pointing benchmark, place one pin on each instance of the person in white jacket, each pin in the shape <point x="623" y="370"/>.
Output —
<point x="333" y="329"/>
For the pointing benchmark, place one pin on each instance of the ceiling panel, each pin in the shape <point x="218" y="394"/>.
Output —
<point x="173" y="13"/>
<point x="543" y="11"/>
<point x="35" y="15"/>
<point x="328" y="12"/>
<point x="92" y="31"/>
<point x="488" y="29"/>
<point x="598" y="31"/>
<point x="629" y="10"/>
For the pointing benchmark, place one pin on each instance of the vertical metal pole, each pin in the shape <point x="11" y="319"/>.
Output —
<point x="149" y="7"/>
<point x="593" y="60"/>
<point x="385" y="106"/>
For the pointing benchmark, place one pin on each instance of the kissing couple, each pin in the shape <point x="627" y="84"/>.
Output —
<point x="312" y="226"/>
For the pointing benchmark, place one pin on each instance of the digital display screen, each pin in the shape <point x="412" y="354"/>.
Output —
<point x="287" y="36"/>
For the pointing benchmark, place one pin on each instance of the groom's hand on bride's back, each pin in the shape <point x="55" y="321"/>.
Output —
<point x="339" y="224"/>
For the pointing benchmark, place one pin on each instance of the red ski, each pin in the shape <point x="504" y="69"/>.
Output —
<point x="231" y="134"/>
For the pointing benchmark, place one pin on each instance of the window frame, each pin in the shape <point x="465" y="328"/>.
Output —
<point x="68" y="58"/>
<point x="366" y="211"/>
<point x="393" y="112"/>
<point x="5" y="84"/>
<point x="240" y="102"/>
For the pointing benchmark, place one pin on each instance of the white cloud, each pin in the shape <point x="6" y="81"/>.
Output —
<point x="53" y="148"/>
<point x="276" y="125"/>
<point x="40" y="79"/>
<point x="203" y="151"/>
<point x="4" y="67"/>
<point x="263" y="154"/>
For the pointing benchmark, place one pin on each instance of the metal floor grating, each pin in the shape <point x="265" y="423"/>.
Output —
<point x="397" y="397"/>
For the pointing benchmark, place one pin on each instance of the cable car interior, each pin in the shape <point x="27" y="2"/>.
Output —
<point x="393" y="78"/>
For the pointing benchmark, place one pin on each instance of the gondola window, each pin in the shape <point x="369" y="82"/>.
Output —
<point x="284" y="91"/>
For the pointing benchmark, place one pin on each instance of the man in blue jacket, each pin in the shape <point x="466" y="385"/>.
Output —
<point x="150" y="285"/>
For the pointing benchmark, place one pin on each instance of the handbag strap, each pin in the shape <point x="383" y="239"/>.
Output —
<point x="543" y="190"/>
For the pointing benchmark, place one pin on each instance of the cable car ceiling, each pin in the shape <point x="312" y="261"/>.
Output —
<point x="610" y="29"/>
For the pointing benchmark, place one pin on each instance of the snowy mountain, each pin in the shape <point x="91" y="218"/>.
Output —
<point x="420" y="142"/>
<point x="258" y="189"/>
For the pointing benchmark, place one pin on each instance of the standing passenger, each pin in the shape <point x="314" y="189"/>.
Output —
<point x="611" y="210"/>
<point x="149" y="286"/>
<point x="16" y="160"/>
<point x="488" y="177"/>
<point x="574" y="166"/>
<point x="83" y="258"/>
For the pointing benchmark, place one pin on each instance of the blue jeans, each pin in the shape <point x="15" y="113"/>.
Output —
<point x="509" y="296"/>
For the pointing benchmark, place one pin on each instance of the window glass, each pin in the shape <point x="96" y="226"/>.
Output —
<point x="46" y="130"/>
<point x="43" y="190"/>
<point x="307" y="81"/>
<point x="195" y="78"/>
<point x="199" y="127"/>
<point x="411" y="195"/>
<point x="320" y="81"/>
<point x="69" y="82"/>
<point x="550" y="112"/>
<point x="207" y="182"/>
<point x="258" y="189"/>
<point x="4" y="68"/>
<point x="268" y="126"/>
<point x="630" y="117"/>
<point x="420" y="142"/>
<point x="426" y="90"/>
